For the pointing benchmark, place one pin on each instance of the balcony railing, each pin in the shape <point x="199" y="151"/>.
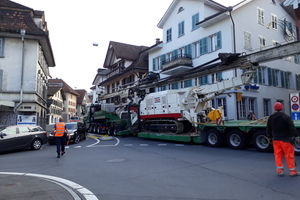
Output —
<point x="178" y="60"/>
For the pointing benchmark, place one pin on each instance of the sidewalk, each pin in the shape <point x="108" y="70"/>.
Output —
<point x="26" y="187"/>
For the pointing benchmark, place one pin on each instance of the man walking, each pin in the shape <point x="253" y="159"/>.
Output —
<point x="281" y="130"/>
<point x="60" y="132"/>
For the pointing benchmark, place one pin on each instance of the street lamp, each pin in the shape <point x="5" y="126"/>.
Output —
<point x="22" y="32"/>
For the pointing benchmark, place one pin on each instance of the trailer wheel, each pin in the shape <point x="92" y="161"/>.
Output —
<point x="261" y="142"/>
<point x="214" y="138"/>
<point x="236" y="139"/>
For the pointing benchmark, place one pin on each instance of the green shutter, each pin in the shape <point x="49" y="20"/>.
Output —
<point x="188" y="50"/>
<point x="203" y="46"/>
<point x="154" y="64"/>
<point x="219" y="40"/>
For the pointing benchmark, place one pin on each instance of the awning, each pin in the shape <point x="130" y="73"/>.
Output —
<point x="7" y="103"/>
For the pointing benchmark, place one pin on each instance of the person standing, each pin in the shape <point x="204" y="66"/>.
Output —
<point x="60" y="133"/>
<point x="251" y="115"/>
<point x="281" y="130"/>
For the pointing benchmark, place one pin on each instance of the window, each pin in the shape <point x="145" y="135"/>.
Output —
<point x="261" y="16"/>
<point x="203" y="46"/>
<point x="267" y="107"/>
<point x="169" y="35"/>
<point x="203" y="80"/>
<point x="196" y="49"/>
<point x="195" y="20"/>
<point x="217" y="102"/>
<point x="262" y="42"/>
<point x="242" y="108"/>
<point x="181" y="29"/>
<point x="297" y="81"/>
<point x="156" y="63"/>
<point x="188" y="83"/>
<point x="1" y="47"/>
<point x="274" y="21"/>
<point x="1" y="78"/>
<point x="247" y="41"/>
<point x="175" y="86"/>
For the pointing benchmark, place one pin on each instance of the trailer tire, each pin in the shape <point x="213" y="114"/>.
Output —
<point x="236" y="139"/>
<point x="261" y="142"/>
<point x="297" y="147"/>
<point x="214" y="138"/>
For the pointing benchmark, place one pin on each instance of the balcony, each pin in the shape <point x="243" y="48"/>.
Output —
<point x="177" y="64"/>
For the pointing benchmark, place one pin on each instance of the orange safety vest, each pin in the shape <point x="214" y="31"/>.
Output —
<point x="60" y="129"/>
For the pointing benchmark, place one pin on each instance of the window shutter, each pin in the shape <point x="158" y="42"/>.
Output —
<point x="219" y="76"/>
<point x="219" y="40"/>
<point x="174" y="54"/>
<point x="188" y="50"/>
<point x="203" y="46"/>
<point x="163" y="59"/>
<point x="1" y="79"/>
<point x="154" y="64"/>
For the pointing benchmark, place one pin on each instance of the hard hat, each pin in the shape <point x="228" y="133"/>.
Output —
<point x="278" y="106"/>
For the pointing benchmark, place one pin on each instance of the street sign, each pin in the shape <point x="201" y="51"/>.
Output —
<point x="295" y="115"/>
<point x="295" y="105"/>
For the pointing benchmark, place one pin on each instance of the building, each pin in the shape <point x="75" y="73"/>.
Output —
<point x="56" y="98"/>
<point x="99" y="78"/>
<point x="125" y="64"/>
<point x="70" y="103"/>
<point x="195" y="32"/>
<point x="25" y="58"/>
<point x="82" y="100"/>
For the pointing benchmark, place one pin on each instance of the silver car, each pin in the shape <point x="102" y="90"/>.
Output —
<point x="22" y="137"/>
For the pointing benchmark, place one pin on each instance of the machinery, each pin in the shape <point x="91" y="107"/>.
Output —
<point x="182" y="115"/>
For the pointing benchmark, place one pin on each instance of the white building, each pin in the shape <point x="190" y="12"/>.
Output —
<point x="196" y="31"/>
<point x="25" y="56"/>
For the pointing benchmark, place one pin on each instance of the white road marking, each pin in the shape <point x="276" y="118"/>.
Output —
<point x="59" y="181"/>
<point x="144" y="145"/>
<point x="161" y="144"/>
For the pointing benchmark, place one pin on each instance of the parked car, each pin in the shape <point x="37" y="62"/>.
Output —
<point x="76" y="133"/>
<point x="22" y="137"/>
<point x="74" y="119"/>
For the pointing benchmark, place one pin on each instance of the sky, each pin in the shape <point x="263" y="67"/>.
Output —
<point x="75" y="26"/>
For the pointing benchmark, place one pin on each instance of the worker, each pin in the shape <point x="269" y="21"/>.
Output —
<point x="281" y="130"/>
<point x="251" y="115"/>
<point x="60" y="132"/>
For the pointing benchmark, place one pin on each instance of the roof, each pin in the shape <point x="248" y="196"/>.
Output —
<point x="174" y="3"/>
<point x="14" y="17"/>
<point x="66" y="88"/>
<point x="122" y="50"/>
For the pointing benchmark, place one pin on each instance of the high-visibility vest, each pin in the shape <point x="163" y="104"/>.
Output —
<point x="60" y="129"/>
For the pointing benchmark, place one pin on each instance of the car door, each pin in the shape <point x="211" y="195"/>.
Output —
<point x="8" y="139"/>
<point x="25" y="136"/>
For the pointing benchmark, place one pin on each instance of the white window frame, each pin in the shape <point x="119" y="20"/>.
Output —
<point x="260" y="16"/>
<point x="274" y="21"/>
<point x="247" y="40"/>
<point x="262" y="42"/>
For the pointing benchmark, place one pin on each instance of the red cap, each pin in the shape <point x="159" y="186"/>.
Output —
<point x="278" y="106"/>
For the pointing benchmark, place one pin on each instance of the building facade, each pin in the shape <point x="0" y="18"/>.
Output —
<point x="195" y="32"/>
<point x="25" y="58"/>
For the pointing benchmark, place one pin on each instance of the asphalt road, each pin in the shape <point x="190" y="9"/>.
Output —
<point x="129" y="168"/>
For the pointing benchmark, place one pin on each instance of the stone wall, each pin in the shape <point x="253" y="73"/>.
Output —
<point x="8" y="118"/>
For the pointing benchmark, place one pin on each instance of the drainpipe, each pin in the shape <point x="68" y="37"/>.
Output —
<point x="22" y="32"/>
<point x="233" y="30"/>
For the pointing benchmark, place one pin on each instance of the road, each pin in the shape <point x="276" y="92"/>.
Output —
<point x="129" y="168"/>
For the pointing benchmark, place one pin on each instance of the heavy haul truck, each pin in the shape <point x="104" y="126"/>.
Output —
<point x="183" y="115"/>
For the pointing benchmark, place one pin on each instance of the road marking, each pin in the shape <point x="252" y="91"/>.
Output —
<point x="161" y="144"/>
<point x="144" y="145"/>
<point x="59" y="181"/>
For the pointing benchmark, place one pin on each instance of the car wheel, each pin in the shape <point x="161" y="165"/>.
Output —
<point x="36" y="144"/>
<point x="237" y="139"/>
<point x="76" y="138"/>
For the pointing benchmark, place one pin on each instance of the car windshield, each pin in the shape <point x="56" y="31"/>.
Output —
<point x="71" y="126"/>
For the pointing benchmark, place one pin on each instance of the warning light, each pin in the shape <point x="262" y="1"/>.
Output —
<point x="239" y="96"/>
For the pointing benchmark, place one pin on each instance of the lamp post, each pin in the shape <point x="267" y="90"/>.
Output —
<point x="22" y="32"/>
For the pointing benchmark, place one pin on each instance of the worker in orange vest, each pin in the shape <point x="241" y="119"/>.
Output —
<point x="60" y="133"/>
<point x="281" y="130"/>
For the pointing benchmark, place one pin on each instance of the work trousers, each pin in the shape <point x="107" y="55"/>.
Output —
<point x="60" y="144"/>
<point x="285" y="149"/>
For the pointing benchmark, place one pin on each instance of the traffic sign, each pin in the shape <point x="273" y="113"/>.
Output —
<point x="295" y="106"/>
<point x="295" y="115"/>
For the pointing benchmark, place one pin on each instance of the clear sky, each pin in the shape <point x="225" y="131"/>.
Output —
<point x="75" y="25"/>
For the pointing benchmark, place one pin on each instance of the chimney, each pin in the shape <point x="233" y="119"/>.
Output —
<point x="157" y="40"/>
